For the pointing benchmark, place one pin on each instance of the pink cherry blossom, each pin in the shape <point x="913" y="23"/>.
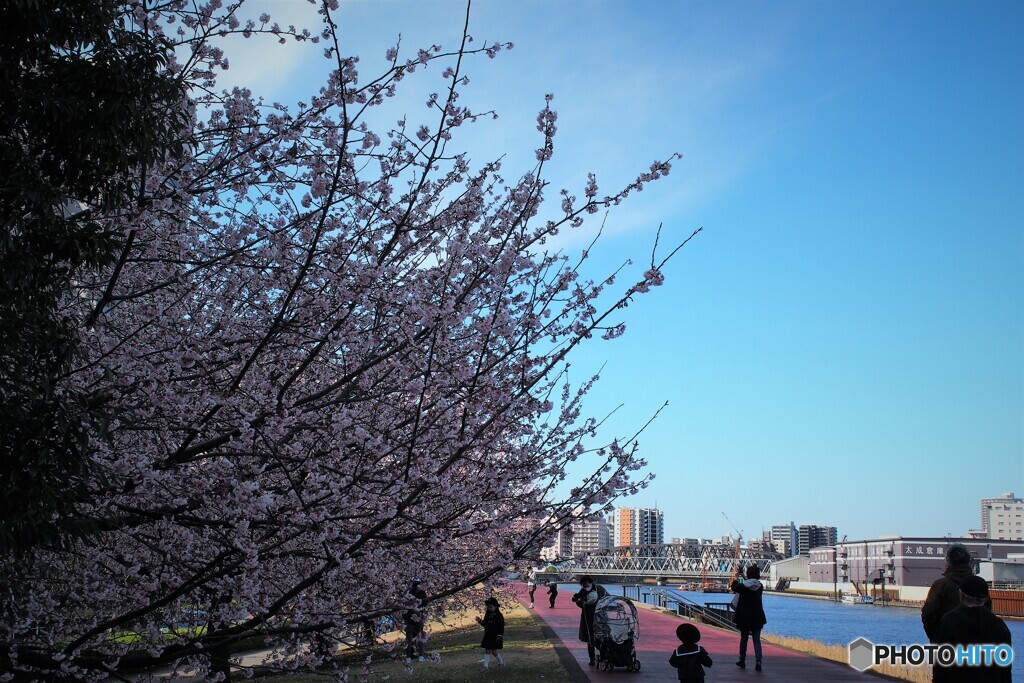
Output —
<point x="331" y="364"/>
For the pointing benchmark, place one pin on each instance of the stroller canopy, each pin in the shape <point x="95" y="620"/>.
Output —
<point x="615" y="619"/>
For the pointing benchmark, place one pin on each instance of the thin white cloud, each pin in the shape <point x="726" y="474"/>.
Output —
<point x="259" y="62"/>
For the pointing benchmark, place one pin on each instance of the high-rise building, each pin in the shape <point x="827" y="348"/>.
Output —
<point x="590" y="535"/>
<point x="650" y="526"/>
<point x="560" y="546"/>
<point x="785" y="539"/>
<point x="621" y="523"/>
<point x="1002" y="518"/>
<point x="638" y="526"/>
<point x="814" y="536"/>
<point x="762" y="545"/>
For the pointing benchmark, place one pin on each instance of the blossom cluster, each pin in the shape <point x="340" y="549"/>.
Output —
<point x="335" y="359"/>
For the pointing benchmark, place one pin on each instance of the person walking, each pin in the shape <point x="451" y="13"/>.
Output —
<point x="494" y="633"/>
<point x="749" y="616"/>
<point x="586" y="598"/>
<point x="689" y="658"/>
<point x="944" y="594"/>
<point x="531" y="585"/>
<point x="552" y="592"/>
<point x="971" y="623"/>
<point x="414" y="619"/>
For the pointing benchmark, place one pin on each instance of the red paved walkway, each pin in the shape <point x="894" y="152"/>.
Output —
<point x="658" y="639"/>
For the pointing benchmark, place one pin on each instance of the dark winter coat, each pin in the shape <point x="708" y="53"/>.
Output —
<point x="690" y="660"/>
<point x="587" y="608"/>
<point x="966" y="626"/>
<point x="494" y="631"/>
<point x="749" y="611"/>
<point x="414" y="618"/>
<point x="943" y="596"/>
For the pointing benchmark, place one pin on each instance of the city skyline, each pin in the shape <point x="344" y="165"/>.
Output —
<point x="673" y="529"/>
<point x="844" y="340"/>
<point x="1000" y="517"/>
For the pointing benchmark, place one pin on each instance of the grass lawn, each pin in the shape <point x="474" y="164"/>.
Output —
<point x="529" y="657"/>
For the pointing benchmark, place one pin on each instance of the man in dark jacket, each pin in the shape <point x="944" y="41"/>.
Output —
<point x="586" y="598"/>
<point x="944" y="594"/>
<point x="972" y="623"/>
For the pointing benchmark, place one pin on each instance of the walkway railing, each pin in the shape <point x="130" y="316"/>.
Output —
<point x="654" y="596"/>
<point x="715" y="613"/>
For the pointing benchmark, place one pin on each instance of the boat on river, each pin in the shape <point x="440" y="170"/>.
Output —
<point x="858" y="600"/>
<point x="714" y="588"/>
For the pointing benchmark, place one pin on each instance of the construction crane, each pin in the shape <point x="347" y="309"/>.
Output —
<point x="734" y="528"/>
<point x="736" y="549"/>
<point x="705" y="583"/>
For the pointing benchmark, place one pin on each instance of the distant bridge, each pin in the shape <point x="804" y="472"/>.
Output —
<point x="715" y="562"/>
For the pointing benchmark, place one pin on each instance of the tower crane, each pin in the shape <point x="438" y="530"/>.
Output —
<point x="734" y="528"/>
<point x="736" y="548"/>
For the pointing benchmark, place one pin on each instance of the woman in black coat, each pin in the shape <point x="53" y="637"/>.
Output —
<point x="494" y="632"/>
<point x="749" y="616"/>
<point x="586" y="598"/>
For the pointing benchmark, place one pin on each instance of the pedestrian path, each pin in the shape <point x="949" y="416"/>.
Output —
<point x="658" y="639"/>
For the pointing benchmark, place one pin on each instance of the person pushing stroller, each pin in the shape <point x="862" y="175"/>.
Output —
<point x="586" y="598"/>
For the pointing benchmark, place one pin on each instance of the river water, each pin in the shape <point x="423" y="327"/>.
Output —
<point x="833" y="623"/>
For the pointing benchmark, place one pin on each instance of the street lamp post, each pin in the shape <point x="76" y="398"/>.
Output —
<point x="881" y="576"/>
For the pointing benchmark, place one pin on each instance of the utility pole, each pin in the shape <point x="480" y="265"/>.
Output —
<point x="835" y="573"/>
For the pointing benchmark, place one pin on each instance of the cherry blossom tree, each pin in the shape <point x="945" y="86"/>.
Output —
<point x="333" y="359"/>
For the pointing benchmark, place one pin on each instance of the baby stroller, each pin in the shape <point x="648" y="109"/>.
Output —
<point x="616" y="628"/>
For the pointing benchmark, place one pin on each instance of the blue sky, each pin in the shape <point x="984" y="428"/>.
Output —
<point x="844" y="343"/>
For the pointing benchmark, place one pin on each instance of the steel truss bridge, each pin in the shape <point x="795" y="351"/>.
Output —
<point x="713" y="562"/>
